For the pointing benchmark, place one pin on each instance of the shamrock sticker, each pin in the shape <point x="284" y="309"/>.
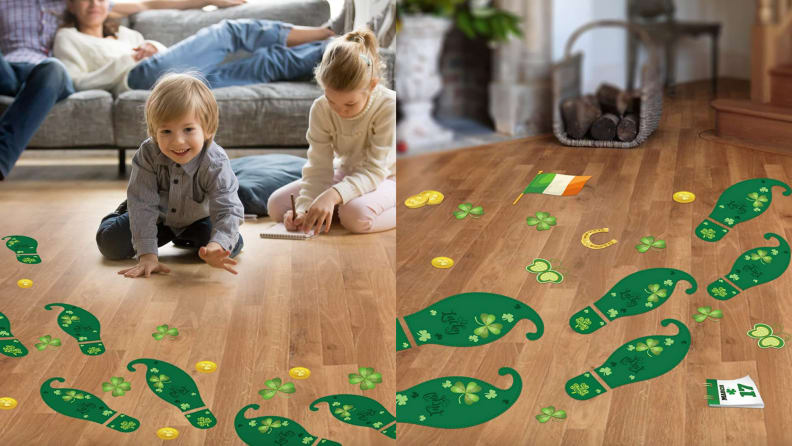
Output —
<point x="761" y="254"/>
<point x="163" y="330"/>
<point x="487" y="325"/>
<point x="67" y="320"/>
<point x="345" y="411"/>
<point x="72" y="395"/>
<point x="367" y="378"/>
<point x="703" y="313"/>
<point x="159" y="381"/>
<point x="650" y="242"/>
<point x="468" y="209"/>
<point x="655" y="293"/>
<point x="543" y="221"/>
<point x="651" y="346"/>
<point x="758" y="200"/>
<point x="117" y="385"/>
<point x="274" y="386"/>
<point x="46" y="341"/>
<point x="267" y="425"/>
<point x="550" y="412"/>
<point x="469" y="392"/>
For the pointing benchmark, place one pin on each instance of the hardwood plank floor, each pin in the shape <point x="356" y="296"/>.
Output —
<point x="327" y="304"/>
<point x="630" y="193"/>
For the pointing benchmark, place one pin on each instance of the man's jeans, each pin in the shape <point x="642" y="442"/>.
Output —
<point x="205" y="51"/>
<point x="36" y="88"/>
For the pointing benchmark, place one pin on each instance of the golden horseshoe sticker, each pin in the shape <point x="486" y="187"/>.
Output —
<point x="585" y="240"/>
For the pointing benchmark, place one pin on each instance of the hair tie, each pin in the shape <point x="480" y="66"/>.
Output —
<point x="366" y="59"/>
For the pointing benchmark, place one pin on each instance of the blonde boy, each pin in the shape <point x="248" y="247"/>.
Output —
<point x="181" y="189"/>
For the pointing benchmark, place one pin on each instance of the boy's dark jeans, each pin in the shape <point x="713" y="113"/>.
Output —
<point x="114" y="238"/>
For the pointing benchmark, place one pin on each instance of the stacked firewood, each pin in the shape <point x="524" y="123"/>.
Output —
<point x="611" y="114"/>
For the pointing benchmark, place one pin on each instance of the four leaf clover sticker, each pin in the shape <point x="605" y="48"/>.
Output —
<point x="367" y="378"/>
<point x="274" y="386"/>
<point x="468" y="209"/>
<point x="650" y="242"/>
<point x="117" y="385"/>
<point x="543" y="221"/>
<point x="46" y="341"/>
<point x="163" y="330"/>
<point x="469" y="392"/>
<point x="704" y="313"/>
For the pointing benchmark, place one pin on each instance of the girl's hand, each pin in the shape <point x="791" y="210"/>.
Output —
<point x="147" y="264"/>
<point x="321" y="211"/>
<point x="291" y="223"/>
<point x="143" y="51"/>
<point x="217" y="257"/>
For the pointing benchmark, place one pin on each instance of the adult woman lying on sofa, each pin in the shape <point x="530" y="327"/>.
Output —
<point x="99" y="54"/>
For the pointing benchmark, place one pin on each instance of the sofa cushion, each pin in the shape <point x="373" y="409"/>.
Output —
<point x="84" y="119"/>
<point x="259" y="115"/>
<point x="171" y="26"/>
<point x="261" y="175"/>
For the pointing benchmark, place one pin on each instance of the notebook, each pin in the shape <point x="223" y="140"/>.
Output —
<point x="279" y="231"/>
<point x="734" y="393"/>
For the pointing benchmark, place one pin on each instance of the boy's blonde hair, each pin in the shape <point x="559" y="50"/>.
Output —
<point x="176" y="95"/>
<point x="350" y="62"/>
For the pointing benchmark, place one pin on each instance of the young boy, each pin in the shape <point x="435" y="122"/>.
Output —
<point x="181" y="189"/>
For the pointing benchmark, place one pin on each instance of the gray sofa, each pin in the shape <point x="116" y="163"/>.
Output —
<point x="264" y="115"/>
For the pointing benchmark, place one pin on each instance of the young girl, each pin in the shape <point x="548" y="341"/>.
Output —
<point x="352" y="154"/>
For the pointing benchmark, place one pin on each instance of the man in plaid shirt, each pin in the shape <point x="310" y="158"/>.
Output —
<point x="37" y="81"/>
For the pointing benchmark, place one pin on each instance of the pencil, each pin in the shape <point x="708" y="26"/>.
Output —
<point x="294" y="210"/>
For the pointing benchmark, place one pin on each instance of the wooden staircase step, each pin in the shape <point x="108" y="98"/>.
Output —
<point x="751" y="122"/>
<point x="781" y="86"/>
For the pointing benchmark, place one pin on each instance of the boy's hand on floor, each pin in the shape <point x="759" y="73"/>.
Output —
<point x="291" y="223"/>
<point x="321" y="211"/>
<point x="217" y="257"/>
<point x="147" y="264"/>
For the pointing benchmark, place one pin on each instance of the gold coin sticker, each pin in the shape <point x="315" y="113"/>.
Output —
<point x="299" y="373"/>
<point x="442" y="262"/>
<point x="416" y="201"/>
<point x="167" y="433"/>
<point x="205" y="366"/>
<point x="684" y="196"/>
<point x="25" y="283"/>
<point x="435" y="197"/>
<point x="7" y="403"/>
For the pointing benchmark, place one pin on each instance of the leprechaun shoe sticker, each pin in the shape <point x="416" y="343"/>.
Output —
<point x="754" y="267"/>
<point x="468" y="320"/>
<point x="10" y="346"/>
<point x="358" y="411"/>
<point x="82" y="326"/>
<point x="739" y="203"/>
<point x="638" y="293"/>
<point x="273" y="430"/>
<point x="638" y="360"/>
<point x="24" y="247"/>
<point x="454" y="402"/>
<point x="82" y="405"/>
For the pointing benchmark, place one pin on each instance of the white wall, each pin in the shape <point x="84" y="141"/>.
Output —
<point x="693" y="56"/>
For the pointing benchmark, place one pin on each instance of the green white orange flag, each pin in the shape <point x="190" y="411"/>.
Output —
<point x="555" y="184"/>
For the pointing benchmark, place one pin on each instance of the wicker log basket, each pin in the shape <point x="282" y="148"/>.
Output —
<point x="567" y="83"/>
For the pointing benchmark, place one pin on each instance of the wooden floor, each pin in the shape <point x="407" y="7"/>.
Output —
<point x="629" y="192"/>
<point x="327" y="304"/>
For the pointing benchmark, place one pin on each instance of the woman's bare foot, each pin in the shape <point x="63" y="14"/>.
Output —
<point x="304" y="34"/>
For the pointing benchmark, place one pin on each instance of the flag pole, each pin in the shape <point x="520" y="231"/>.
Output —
<point x="520" y="196"/>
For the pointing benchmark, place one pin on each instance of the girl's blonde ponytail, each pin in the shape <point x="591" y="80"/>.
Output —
<point x="350" y="62"/>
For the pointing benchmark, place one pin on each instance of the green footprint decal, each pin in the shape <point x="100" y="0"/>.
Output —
<point x="12" y="348"/>
<point x="454" y="402"/>
<point x="467" y="320"/>
<point x="739" y="203"/>
<point x="638" y="293"/>
<point x="272" y="430"/>
<point x="175" y="386"/>
<point x="358" y="411"/>
<point x="754" y="267"/>
<point x="638" y="360"/>
<point x="82" y="405"/>
<point x="82" y="326"/>
<point x="24" y="247"/>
